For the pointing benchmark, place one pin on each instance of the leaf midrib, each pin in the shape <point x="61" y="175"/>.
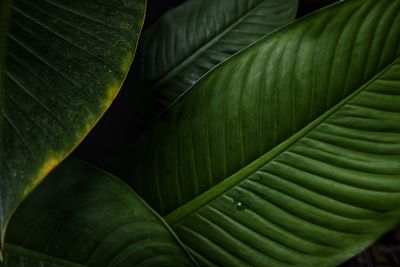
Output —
<point x="195" y="204"/>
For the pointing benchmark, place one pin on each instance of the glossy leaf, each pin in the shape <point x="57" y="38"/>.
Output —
<point x="196" y="36"/>
<point x="260" y="97"/>
<point x="66" y="61"/>
<point x="319" y="198"/>
<point x="81" y="216"/>
<point x="305" y="123"/>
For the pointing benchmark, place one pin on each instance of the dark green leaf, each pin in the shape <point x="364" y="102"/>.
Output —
<point x="199" y="34"/>
<point x="303" y="128"/>
<point x="66" y="62"/>
<point x="81" y="216"/>
<point x="319" y="198"/>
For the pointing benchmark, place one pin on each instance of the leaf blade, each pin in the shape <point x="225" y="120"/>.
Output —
<point x="65" y="63"/>
<point x="213" y="32"/>
<point x="82" y="215"/>
<point x="320" y="204"/>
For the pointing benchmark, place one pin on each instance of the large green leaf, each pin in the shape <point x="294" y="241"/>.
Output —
<point x="197" y="35"/>
<point x="66" y="61"/>
<point x="319" y="198"/>
<point x="260" y="97"/>
<point x="81" y="216"/>
<point x="304" y="196"/>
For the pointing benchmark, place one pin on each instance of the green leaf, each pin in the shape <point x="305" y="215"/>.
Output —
<point x="66" y="61"/>
<point x="296" y="139"/>
<point x="196" y="36"/>
<point x="81" y="216"/>
<point x="322" y="196"/>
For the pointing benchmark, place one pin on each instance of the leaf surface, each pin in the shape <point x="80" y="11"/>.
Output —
<point x="317" y="199"/>
<point x="196" y="36"/>
<point x="81" y="216"/>
<point x="296" y="139"/>
<point x="66" y="61"/>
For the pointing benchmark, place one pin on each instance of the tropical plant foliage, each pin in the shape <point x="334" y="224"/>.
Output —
<point x="269" y="141"/>
<point x="66" y="61"/>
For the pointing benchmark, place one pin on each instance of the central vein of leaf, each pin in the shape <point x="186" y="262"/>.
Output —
<point x="208" y="196"/>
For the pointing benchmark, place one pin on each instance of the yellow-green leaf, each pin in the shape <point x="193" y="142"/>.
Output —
<point x="66" y="61"/>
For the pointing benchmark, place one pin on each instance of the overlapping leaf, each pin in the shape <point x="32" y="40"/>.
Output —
<point x="295" y="196"/>
<point x="193" y="38"/>
<point x="80" y="216"/>
<point x="318" y="199"/>
<point x="66" y="60"/>
<point x="174" y="53"/>
<point x="260" y="97"/>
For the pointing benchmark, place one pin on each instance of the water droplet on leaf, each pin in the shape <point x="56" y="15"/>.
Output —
<point x="239" y="205"/>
